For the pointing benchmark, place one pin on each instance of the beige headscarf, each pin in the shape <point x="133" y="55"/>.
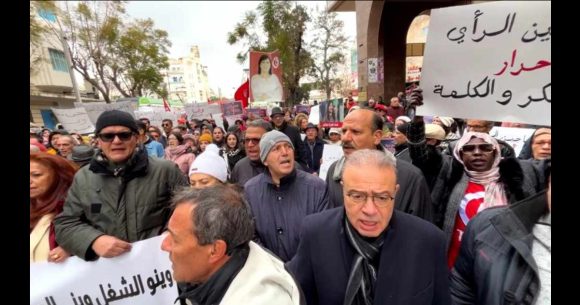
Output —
<point x="494" y="190"/>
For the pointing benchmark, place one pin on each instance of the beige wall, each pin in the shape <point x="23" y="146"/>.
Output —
<point x="44" y="75"/>
<point x="382" y="28"/>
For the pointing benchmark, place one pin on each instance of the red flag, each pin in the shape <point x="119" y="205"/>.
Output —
<point x="242" y="94"/>
<point x="166" y="105"/>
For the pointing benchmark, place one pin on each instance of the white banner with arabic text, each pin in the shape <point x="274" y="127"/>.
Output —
<point x="142" y="276"/>
<point x="489" y="61"/>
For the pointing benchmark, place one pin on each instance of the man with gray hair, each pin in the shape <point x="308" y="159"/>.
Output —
<point x="281" y="197"/>
<point x="211" y="251"/>
<point x="65" y="144"/>
<point x="368" y="252"/>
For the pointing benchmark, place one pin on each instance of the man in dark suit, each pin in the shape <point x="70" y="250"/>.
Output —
<point x="366" y="252"/>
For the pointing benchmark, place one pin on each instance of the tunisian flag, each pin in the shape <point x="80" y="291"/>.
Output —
<point x="166" y="105"/>
<point x="242" y="94"/>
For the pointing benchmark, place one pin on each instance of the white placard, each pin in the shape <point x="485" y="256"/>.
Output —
<point x="330" y="154"/>
<point x="157" y="115"/>
<point x="516" y="137"/>
<point x="314" y="116"/>
<point x="74" y="120"/>
<point x="231" y="119"/>
<point x="142" y="276"/>
<point x="489" y="61"/>
<point x="202" y="110"/>
<point x="94" y="110"/>
<point x="219" y="120"/>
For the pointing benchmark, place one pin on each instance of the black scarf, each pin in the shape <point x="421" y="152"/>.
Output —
<point x="360" y="289"/>
<point x="212" y="291"/>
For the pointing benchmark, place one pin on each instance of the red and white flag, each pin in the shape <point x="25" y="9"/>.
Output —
<point x="243" y="93"/>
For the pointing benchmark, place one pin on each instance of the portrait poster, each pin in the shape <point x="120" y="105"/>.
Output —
<point x="266" y="77"/>
<point x="331" y="113"/>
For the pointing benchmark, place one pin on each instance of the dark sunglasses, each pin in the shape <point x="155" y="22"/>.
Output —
<point x="109" y="137"/>
<point x="250" y="140"/>
<point x="469" y="148"/>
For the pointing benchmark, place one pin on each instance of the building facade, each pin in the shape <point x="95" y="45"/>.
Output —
<point x="186" y="80"/>
<point x="51" y="85"/>
<point x="382" y="47"/>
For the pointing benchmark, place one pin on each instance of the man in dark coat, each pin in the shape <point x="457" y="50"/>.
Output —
<point x="367" y="252"/>
<point x="314" y="148"/>
<point x="281" y="197"/>
<point x="362" y="129"/>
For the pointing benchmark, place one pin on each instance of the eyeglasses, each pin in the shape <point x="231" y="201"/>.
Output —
<point x="380" y="200"/>
<point x="252" y="140"/>
<point x="109" y="137"/>
<point x="470" y="148"/>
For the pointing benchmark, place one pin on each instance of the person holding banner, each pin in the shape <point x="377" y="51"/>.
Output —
<point x="50" y="178"/>
<point x="121" y="197"/>
<point x="265" y="85"/>
<point x="209" y="245"/>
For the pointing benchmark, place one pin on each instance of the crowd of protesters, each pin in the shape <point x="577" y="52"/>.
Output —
<point x="448" y="215"/>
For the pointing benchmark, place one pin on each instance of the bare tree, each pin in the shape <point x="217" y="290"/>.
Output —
<point x="327" y="50"/>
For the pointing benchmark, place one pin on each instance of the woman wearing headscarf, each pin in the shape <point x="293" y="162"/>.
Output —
<point x="473" y="179"/>
<point x="50" y="178"/>
<point x="539" y="146"/>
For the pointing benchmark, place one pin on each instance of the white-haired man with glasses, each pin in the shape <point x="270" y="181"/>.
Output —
<point x="123" y="196"/>
<point x="367" y="252"/>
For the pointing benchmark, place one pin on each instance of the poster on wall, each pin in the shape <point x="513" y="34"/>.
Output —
<point x="373" y="70"/>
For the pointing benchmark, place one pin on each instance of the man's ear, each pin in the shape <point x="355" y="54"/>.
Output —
<point x="378" y="135"/>
<point x="218" y="251"/>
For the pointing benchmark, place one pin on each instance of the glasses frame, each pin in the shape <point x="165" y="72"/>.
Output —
<point x="472" y="147"/>
<point x="109" y="137"/>
<point x="374" y="198"/>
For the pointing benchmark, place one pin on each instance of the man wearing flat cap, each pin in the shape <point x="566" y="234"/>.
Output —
<point x="282" y="196"/>
<point x="121" y="197"/>
<point x="314" y="148"/>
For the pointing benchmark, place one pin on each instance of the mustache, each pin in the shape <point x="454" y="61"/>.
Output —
<point x="347" y="145"/>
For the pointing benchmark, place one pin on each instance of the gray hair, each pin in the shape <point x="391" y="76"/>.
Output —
<point x="220" y="212"/>
<point x="261" y="124"/>
<point x="372" y="157"/>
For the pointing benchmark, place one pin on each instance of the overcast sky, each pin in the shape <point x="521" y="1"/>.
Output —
<point x="206" y="24"/>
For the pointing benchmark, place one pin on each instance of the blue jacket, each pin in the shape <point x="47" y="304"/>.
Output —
<point x="412" y="267"/>
<point x="279" y="211"/>
<point x="154" y="148"/>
